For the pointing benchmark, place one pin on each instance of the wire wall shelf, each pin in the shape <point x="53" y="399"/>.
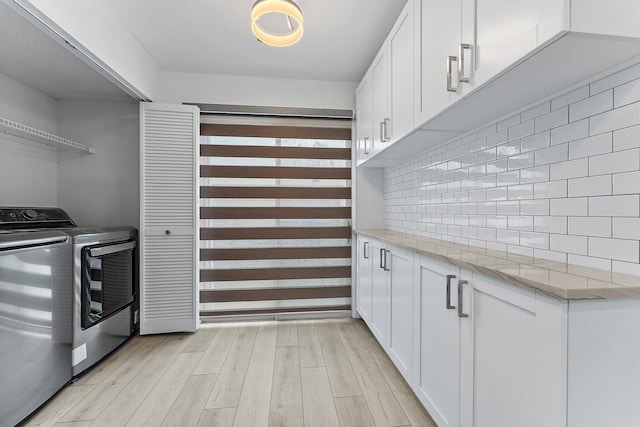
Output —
<point x="23" y="131"/>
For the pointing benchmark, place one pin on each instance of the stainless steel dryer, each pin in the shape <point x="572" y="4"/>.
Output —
<point x="105" y="281"/>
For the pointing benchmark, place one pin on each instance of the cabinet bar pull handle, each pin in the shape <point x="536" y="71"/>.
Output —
<point x="387" y="125"/>
<point x="382" y="256"/>
<point x="448" y="305"/>
<point x="366" y="145"/>
<point x="364" y="249"/>
<point x="460" y="283"/>
<point x="461" y="77"/>
<point x="382" y="131"/>
<point x="450" y="61"/>
<point x="385" y="260"/>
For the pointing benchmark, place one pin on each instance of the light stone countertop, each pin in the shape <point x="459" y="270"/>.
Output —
<point x="566" y="281"/>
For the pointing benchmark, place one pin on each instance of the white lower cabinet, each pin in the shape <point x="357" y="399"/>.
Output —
<point x="517" y="347"/>
<point x="480" y="352"/>
<point x="385" y="298"/>
<point x="363" y="279"/>
<point x="379" y="293"/>
<point x="487" y="352"/>
<point x="401" y="296"/>
<point x="437" y="377"/>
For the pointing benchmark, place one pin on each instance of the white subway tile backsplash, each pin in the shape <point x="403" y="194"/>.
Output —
<point x="534" y="240"/>
<point x="590" y="186"/>
<point x="550" y="255"/>
<point x="571" y="132"/>
<point x="568" y="244"/>
<point x="518" y="192"/>
<point x="613" y="206"/>
<point x="487" y="234"/>
<point x="508" y="207"/>
<point x="626" y="138"/>
<point x="620" y="161"/>
<point x="576" y="206"/>
<point x="571" y="169"/>
<point x="536" y="111"/>
<point x="615" y="79"/>
<point x="592" y="146"/>
<point x="508" y="237"/>
<point x="570" y="98"/>
<point x="550" y="224"/>
<point x="590" y="262"/>
<point x="619" y="118"/>
<point x="553" y="154"/>
<point x="520" y="161"/>
<point x="618" y="249"/>
<point x="520" y="250"/>
<point x="551" y="120"/>
<point x="508" y="149"/>
<point x="589" y="226"/>
<point x="487" y="208"/>
<point x="508" y="178"/>
<point x="628" y="268"/>
<point x="535" y="174"/>
<point x="627" y="93"/>
<point x="591" y="106"/>
<point x="496" y="138"/>
<point x="534" y="207"/>
<point x="509" y="122"/>
<point x="520" y="222"/>
<point x="496" y="194"/>
<point x="550" y="189"/>
<point x="497" y="166"/>
<point x="521" y="130"/>
<point x="626" y="183"/>
<point x="534" y="142"/>
<point x="626" y="228"/>
<point x="559" y="181"/>
<point x="486" y="155"/>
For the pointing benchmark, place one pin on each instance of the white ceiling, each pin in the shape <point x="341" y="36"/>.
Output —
<point x="340" y="40"/>
<point x="30" y="56"/>
<point x="340" y="37"/>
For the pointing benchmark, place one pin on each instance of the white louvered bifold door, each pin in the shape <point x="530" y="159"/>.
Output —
<point x="169" y="278"/>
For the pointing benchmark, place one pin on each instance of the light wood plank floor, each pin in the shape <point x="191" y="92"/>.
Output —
<point x="291" y="373"/>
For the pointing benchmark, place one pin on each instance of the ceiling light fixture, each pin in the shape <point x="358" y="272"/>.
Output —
<point x="285" y="7"/>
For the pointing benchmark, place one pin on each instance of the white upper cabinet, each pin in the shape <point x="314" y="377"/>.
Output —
<point x="507" y="31"/>
<point x="438" y="29"/>
<point x="384" y="98"/>
<point x="400" y="47"/>
<point x="380" y="95"/>
<point x="475" y="61"/>
<point x="363" y="120"/>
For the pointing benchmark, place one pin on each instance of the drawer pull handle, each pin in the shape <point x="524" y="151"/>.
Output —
<point x="448" y="304"/>
<point x="461" y="314"/>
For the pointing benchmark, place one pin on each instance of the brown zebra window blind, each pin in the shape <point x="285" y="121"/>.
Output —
<point x="275" y="219"/>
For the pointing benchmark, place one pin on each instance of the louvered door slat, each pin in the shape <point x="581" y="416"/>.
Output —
<point x="169" y="256"/>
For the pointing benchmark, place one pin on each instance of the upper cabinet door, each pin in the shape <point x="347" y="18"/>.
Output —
<point x="438" y="31"/>
<point x="363" y="119"/>
<point x="401" y="75"/>
<point x="504" y="31"/>
<point x="380" y="96"/>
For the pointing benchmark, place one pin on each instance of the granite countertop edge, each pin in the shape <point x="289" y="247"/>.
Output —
<point x="608" y="285"/>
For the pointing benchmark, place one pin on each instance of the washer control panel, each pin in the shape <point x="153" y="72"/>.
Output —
<point x="21" y="218"/>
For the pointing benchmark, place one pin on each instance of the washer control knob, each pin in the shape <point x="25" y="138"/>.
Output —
<point x="30" y="214"/>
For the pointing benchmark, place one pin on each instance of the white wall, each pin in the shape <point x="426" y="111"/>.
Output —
<point x="28" y="170"/>
<point x="178" y="87"/>
<point x="100" y="189"/>
<point x="559" y="181"/>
